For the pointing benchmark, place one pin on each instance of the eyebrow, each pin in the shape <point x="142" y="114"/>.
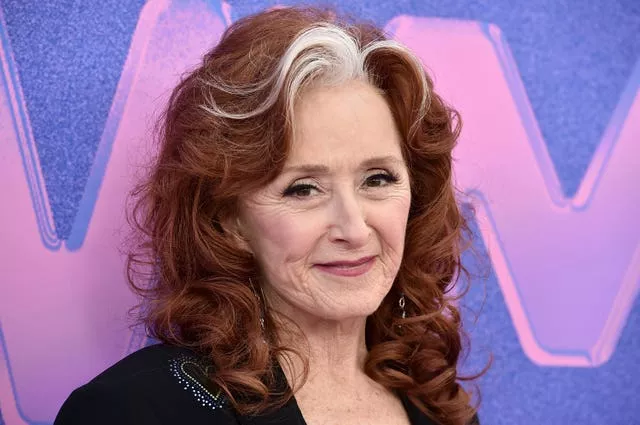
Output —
<point x="323" y="169"/>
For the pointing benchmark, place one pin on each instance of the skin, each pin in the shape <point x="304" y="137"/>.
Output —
<point x="354" y="204"/>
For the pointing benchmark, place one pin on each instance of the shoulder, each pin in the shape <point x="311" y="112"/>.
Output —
<point x="419" y="418"/>
<point x="157" y="384"/>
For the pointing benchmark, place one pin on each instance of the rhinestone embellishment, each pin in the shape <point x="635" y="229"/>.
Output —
<point x="192" y="375"/>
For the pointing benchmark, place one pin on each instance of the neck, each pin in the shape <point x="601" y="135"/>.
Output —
<point x="335" y="350"/>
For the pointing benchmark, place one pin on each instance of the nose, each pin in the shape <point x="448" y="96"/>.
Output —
<point x="348" y="223"/>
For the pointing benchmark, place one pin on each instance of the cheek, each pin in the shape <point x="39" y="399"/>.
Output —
<point x="284" y="237"/>
<point x="391" y="222"/>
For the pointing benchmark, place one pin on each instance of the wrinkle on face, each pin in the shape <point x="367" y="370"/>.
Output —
<point x="343" y="218"/>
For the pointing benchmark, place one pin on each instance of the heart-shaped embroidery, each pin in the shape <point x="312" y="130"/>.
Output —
<point x="193" y="375"/>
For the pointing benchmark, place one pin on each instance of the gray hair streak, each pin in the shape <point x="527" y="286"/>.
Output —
<point x="324" y="54"/>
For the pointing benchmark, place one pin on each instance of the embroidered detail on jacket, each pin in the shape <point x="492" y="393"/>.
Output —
<point x="192" y="374"/>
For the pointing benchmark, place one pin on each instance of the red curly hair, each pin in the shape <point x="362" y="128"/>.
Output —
<point x="227" y="131"/>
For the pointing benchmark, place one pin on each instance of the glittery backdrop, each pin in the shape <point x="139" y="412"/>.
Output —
<point x="548" y="92"/>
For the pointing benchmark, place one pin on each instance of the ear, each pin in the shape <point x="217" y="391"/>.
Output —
<point x="236" y="231"/>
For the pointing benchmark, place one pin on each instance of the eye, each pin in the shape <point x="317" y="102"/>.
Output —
<point x="381" y="179"/>
<point x="299" y="190"/>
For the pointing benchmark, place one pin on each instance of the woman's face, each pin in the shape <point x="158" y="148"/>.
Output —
<point x="329" y="231"/>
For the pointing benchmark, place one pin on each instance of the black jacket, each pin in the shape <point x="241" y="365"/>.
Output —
<point x="161" y="385"/>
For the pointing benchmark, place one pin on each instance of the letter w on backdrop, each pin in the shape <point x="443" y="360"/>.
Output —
<point x="568" y="268"/>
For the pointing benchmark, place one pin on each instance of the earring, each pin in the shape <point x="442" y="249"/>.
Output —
<point x="261" y="301"/>
<point x="401" y="304"/>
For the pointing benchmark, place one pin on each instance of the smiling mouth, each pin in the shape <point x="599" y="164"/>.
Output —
<point x="348" y="268"/>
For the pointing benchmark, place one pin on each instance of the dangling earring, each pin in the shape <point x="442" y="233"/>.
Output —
<point x="262" y="303"/>
<point x="401" y="304"/>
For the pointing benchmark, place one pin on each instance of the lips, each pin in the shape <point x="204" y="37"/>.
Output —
<point x="348" y="268"/>
<point x="349" y="263"/>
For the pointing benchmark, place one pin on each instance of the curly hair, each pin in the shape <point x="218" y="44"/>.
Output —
<point x="227" y="131"/>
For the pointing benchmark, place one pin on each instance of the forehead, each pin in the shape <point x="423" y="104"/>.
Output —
<point x="343" y="124"/>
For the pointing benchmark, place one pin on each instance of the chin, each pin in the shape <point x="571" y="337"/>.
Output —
<point x="348" y="312"/>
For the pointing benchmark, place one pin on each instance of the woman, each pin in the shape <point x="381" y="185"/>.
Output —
<point x="303" y="231"/>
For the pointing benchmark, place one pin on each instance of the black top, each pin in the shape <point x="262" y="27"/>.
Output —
<point x="160" y="385"/>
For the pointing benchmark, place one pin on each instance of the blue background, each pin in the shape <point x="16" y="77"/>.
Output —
<point x="574" y="57"/>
